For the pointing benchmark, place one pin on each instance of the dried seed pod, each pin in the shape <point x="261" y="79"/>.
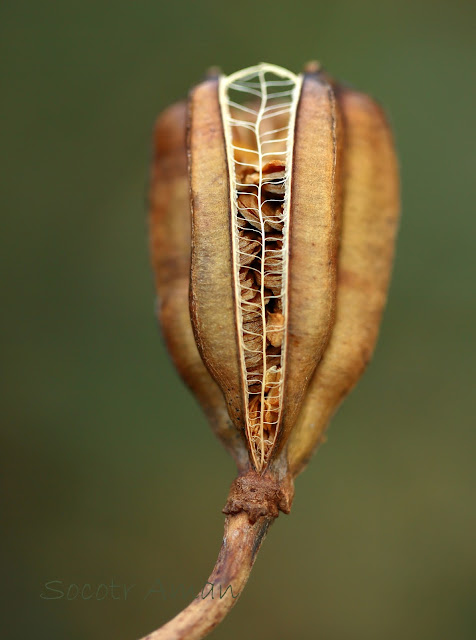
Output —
<point x="284" y="256"/>
<point x="267" y="190"/>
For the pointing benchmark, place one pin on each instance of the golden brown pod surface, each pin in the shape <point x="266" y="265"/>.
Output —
<point x="170" y="245"/>
<point x="313" y="239"/>
<point x="369" y="225"/>
<point x="292" y="189"/>
<point x="212" y="295"/>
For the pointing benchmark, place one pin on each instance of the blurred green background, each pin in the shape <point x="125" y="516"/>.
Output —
<point x="109" y="471"/>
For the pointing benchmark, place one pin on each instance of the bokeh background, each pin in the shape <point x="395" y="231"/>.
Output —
<point x="109" y="471"/>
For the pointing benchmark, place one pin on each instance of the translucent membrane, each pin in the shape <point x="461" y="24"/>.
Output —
<point x="258" y="109"/>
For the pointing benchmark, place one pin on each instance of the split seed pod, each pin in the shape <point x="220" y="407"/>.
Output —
<point x="274" y="207"/>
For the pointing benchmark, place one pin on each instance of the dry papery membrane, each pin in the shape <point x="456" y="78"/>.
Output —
<point x="258" y="107"/>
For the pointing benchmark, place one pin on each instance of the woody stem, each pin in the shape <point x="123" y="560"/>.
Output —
<point x="241" y="542"/>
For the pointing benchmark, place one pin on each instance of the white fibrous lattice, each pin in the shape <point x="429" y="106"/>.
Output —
<point x="258" y="110"/>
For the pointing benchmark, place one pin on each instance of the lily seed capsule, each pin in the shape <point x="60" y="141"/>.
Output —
<point x="274" y="209"/>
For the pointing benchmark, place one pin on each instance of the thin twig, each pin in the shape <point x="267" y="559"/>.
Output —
<point x="241" y="542"/>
